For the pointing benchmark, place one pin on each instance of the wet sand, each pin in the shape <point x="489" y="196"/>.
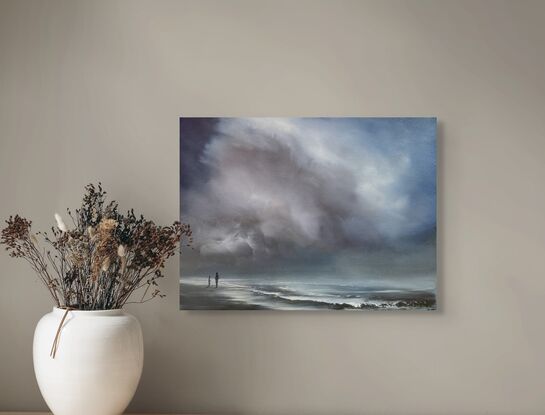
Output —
<point x="194" y="297"/>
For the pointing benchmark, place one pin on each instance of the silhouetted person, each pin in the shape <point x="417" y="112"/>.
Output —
<point x="209" y="281"/>
<point x="217" y="279"/>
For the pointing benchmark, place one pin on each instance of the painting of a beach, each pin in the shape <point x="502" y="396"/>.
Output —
<point x="308" y="213"/>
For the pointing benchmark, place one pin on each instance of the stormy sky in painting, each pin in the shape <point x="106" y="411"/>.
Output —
<point x="311" y="197"/>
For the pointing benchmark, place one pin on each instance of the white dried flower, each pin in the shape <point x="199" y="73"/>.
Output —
<point x="90" y="231"/>
<point x="123" y="264"/>
<point x="106" y="264"/>
<point x="121" y="251"/>
<point x="60" y="223"/>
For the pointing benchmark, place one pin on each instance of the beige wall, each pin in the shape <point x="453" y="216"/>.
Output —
<point x="93" y="91"/>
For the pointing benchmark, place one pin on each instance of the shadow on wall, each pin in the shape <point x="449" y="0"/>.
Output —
<point x="440" y="159"/>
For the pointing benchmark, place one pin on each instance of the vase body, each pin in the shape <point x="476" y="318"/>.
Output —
<point x="97" y="365"/>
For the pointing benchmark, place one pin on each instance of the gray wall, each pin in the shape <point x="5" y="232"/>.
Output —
<point x="93" y="91"/>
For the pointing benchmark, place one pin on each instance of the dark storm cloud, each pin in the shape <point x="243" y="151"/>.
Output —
<point x="279" y="192"/>
<point x="194" y="135"/>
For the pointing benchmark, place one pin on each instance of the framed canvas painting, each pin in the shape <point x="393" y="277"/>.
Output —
<point x="308" y="213"/>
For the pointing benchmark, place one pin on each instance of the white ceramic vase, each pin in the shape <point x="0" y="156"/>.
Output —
<point x="97" y="365"/>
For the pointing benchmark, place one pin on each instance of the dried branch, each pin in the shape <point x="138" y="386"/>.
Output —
<point x="103" y="260"/>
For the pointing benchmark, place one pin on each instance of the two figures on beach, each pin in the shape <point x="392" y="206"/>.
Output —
<point x="217" y="278"/>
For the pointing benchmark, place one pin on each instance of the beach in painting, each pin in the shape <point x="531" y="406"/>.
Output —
<point x="290" y="294"/>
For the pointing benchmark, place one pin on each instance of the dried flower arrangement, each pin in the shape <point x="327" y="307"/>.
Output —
<point x="100" y="262"/>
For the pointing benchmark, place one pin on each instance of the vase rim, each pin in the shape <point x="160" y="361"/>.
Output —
<point x="112" y="312"/>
